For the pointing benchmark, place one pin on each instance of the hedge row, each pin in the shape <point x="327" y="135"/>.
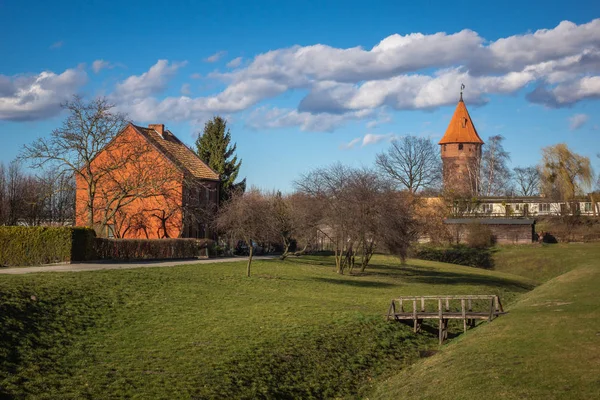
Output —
<point x="462" y="255"/>
<point x="149" y="249"/>
<point x="21" y="245"/>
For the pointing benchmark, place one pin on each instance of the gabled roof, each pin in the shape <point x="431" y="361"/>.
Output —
<point x="176" y="151"/>
<point x="461" y="128"/>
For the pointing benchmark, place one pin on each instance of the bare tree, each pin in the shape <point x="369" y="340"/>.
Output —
<point x="528" y="180"/>
<point x="15" y="194"/>
<point x="70" y="149"/>
<point x="305" y="213"/>
<point x="358" y="212"/>
<point x="3" y="195"/>
<point x="495" y="175"/>
<point x="284" y="221"/>
<point x="248" y="217"/>
<point x="329" y="187"/>
<point x="397" y="226"/>
<point x="412" y="162"/>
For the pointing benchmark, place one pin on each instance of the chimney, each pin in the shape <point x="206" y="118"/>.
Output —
<point x="160" y="128"/>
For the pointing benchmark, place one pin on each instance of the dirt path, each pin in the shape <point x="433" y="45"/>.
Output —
<point x="120" y="265"/>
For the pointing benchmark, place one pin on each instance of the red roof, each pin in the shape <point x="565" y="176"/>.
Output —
<point x="461" y="128"/>
<point x="181" y="155"/>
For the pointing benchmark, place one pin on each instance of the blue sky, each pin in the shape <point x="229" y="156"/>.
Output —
<point x="308" y="83"/>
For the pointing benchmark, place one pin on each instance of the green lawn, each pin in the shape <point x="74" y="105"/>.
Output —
<point x="543" y="262"/>
<point x="294" y="329"/>
<point x="547" y="347"/>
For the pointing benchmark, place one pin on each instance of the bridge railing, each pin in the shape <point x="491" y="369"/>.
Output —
<point x="468" y="308"/>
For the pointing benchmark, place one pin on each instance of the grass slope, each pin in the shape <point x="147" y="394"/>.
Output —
<point x="543" y="262"/>
<point x="548" y="347"/>
<point x="295" y="329"/>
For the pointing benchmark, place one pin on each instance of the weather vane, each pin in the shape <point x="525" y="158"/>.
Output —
<point x="462" y="87"/>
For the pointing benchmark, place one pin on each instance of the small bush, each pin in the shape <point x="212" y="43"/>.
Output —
<point x="20" y="245"/>
<point x="461" y="254"/>
<point x="479" y="236"/>
<point x="150" y="249"/>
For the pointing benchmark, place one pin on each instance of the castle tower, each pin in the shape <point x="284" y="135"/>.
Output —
<point x="461" y="153"/>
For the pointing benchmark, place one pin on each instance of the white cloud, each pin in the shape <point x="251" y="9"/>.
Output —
<point x="371" y="138"/>
<point x="149" y="83"/>
<point x="99" y="65"/>
<point x="351" y="144"/>
<point x="368" y="139"/>
<point x="274" y="118"/>
<point x="26" y="98"/>
<point x="567" y="93"/>
<point x="392" y="73"/>
<point x="56" y="45"/>
<point x="383" y="118"/>
<point x="215" y="57"/>
<point x="236" y="62"/>
<point x="196" y="75"/>
<point x="185" y="89"/>
<point x="401" y="72"/>
<point x="577" y="121"/>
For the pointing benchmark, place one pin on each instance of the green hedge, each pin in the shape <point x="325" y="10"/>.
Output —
<point x="150" y="249"/>
<point x="21" y="245"/>
<point x="462" y="255"/>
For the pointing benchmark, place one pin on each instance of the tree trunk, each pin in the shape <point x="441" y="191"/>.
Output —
<point x="251" y="252"/>
<point x="286" y="248"/>
<point x="299" y="253"/>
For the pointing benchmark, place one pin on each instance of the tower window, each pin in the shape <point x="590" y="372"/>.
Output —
<point x="444" y="148"/>
<point x="460" y="146"/>
<point x="464" y="122"/>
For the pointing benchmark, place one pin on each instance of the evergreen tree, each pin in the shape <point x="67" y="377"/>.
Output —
<point x="213" y="148"/>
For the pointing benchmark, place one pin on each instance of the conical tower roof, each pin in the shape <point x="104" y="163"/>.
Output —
<point x="461" y="128"/>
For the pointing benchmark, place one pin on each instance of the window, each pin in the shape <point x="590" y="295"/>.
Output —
<point x="487" y="208"/>
<point x="519" y="207"/>
<point x="444" y="148"/>
<point x="110" y="231"/>
<point x="464" y="122"/>
<point x="587" y="207"/>
<point x="460" y="146"/>
<point x="544" y="207"/>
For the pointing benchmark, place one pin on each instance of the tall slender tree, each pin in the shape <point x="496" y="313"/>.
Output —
<point x="495" y="175"/>
<point x="213" y="147"/>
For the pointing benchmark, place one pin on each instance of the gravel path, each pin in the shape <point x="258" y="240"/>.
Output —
<point x="121" y="265"/>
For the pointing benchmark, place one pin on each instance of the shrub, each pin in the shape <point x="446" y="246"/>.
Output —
<point x="479" y="236"/>
<point x="150" y="249"/>
<point x="37" y="245"/>
<point x="460" y="254"/>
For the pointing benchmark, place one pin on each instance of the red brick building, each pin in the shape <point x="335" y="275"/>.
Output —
<point x="148" y="185"/>
<point x="461" y="153"/>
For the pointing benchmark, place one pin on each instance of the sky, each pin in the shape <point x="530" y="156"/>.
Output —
<point x="305" y="84"/>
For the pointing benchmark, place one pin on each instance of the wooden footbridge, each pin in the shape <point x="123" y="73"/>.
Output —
<point x="445" y="308"/>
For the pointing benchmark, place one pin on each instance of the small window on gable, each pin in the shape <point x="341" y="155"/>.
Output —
<point x="464" y="122"/>
<point x="460" y="146"/>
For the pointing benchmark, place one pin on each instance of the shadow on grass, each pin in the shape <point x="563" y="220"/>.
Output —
<point x="414" y="274"/>
<point x="355" y="283"/>
<point x="430" y="275"/>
